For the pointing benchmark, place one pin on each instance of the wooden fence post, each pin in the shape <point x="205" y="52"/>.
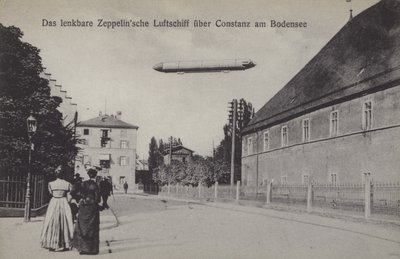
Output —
<point x="367" y="195"/>
<point x="216" y="190"/>
<point x="237" y="190"/>
<point x="269" y="185"/>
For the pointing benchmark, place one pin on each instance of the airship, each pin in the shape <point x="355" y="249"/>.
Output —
<point x="181" y="67"/>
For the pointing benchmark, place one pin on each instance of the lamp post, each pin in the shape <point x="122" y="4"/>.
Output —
<point x="31" y="123"/>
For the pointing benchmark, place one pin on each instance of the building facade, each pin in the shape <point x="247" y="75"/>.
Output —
<point x="179" y="153"/>
<point x="110" y="143"/>
<point x="339" y="117"/>
<point x="68" y="108"/>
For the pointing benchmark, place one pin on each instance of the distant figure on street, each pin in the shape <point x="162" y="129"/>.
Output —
<point x="105" y="191"/>
<point x="58" y="225"/>
<point x="87" y="227"/>
<point x="126" y="187"/>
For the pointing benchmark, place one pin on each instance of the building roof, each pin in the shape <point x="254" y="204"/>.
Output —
<point x="363" y="57"/>
<point x="176" y="150"/>
<point x="106" y="121"/>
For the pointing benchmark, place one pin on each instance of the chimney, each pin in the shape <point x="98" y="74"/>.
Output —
<point x="119" y="115"/>
<point x="351" y="15"/>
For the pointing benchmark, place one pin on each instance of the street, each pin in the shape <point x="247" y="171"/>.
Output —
<point x="172" y="229"/>
<point x="154" y="227"/>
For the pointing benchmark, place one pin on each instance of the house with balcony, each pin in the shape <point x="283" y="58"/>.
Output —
<point x="109" y="143"/>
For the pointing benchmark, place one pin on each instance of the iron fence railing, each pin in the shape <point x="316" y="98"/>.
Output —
<point x="339" y="196"/>
<point x="384" y="197"/>
<point x="13" y="190"/>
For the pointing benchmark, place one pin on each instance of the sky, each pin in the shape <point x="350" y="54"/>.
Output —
<point x="110" y="70"/>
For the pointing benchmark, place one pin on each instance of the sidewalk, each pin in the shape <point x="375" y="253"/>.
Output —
<point x="22" y="240"/>
<point x="293" y="209"/>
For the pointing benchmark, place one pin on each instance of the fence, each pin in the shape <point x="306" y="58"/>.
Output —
<point x="13" y="190"/>
<point x="376" y="198"/>
<point x="385" y="198"/>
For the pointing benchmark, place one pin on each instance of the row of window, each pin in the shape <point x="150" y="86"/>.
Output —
<point x="122" y="160"/>
<point x="333" y="179"/>
<point x="124" y="144"/>
<point x="306" y="128"/>
<point x="123" y="132"/>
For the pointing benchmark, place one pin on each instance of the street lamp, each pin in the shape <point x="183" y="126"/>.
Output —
<point x="31" y="123"/>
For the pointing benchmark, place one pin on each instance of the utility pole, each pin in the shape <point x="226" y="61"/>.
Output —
<point x="234" y="113"/>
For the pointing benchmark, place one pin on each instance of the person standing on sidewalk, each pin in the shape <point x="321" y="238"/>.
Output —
<point x="58" y="225"/>
<point x="105" y="191"/>
<point x="87" y="227"/>
<point x="126" y="187"/>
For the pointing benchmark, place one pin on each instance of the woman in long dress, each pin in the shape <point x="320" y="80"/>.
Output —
<point x="87" y="227"/>
<point x="58" y="226"/>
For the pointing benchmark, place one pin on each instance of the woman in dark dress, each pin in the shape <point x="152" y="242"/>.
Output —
<point x="87" y="227"/>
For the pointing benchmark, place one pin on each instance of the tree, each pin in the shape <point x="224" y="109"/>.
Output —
<point x="223" y="151"/>
<point x="24" y="92"/>
<point x="155" y="158"/>
<point x="161" y="146"/>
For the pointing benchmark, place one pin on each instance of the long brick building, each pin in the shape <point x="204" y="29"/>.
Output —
<point x="339" y="116"/>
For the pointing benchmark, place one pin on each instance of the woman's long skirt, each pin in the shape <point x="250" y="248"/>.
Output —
<point x="87" y="227"/>
<point x="58" y="225"/>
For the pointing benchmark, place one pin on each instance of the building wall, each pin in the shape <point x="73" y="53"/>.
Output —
<point x="92" y="150"/>
<point x="67" y="107"/>
<point x="181" y="156"/>
<point x="349" y="154"/>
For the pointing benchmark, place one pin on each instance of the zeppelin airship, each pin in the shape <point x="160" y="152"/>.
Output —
<point x="181" y="67"/>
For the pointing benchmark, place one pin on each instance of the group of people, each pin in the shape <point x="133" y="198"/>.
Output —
<point x="73" y="214"/>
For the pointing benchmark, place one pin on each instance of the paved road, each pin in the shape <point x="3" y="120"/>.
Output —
<point x="152" y="228"/>
<point x="156" y="228"/>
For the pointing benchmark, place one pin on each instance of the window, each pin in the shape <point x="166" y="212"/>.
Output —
<point x="284" y="132"/>
<point x="306" y="179"/>
<point x="124" y="160"/>
<point x="122" y="179"/>
<point x="367" y="115"/>
<point x="334" y="123"/>
<point x="266" y="141"/>
<point x="105" y="163"/>
<point x="333" y="178"/>
<point x="283" y="179"/>
<point x="104" y="138"/>
<point x="306" y="130"/>
<point x="124" y="133"/>
<point x="124" y="144"/>
<point x="86" y="132"/>
<point x="104" y="133"/>
<point x="249" y="146"/>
